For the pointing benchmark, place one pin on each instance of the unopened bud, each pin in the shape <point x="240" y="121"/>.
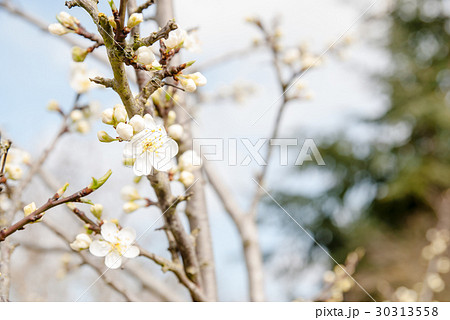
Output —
<point x="79" y="54"/>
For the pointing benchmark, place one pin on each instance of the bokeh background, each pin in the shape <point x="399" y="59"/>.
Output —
<point x="378" y="108"/>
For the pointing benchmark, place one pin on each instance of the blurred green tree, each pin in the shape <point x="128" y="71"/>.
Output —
<point x="384" y="194"/>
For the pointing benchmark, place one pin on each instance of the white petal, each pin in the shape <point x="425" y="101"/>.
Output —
<point x="109" y="232"/>
<point x="126" y="236"/>
<point x="163" y="160"/>
<point x="99" y="248"/>
<point x="143" y="165"/>
<point x="131" y="252"/>
<point x="149" y="122"/>
<point x="113" y="260"/>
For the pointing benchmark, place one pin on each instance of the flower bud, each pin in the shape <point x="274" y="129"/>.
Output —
<point x="61" y="190"/>
<point x="138" y="123"/>
<point x="107" y="116"/>
<point x="29" y="209"/>
<point x="145" y="55"/>
<point x="53" y="105"/>
<point x="175" y="39"/>
<point x="175" y="131"/>
<point x="76" y="115"/>
<point x="82" y="241"/>
<point x="199" y="79"/>
<point x="67" y="20"/>
<point x="291" y="56"/>
<point x="14" y="171"/>
<point x="79" y="54"/>
<point x="120" y="113"/>
<point x="189" y="161"/>
<point x="188" y="85"/>
<point x="156" y="97"/>
<point x="130" y="206"/>
<point x="57" y="29"/>
<point x="135" y="19"/>
<point x="97" y="210"/>
<point x="83" y="126"/>
<point x="130" y="193"/>
<point x="112" y="22"/>
<point x="125" y="131"/>
<point x="104" y="137"/>
<point x="171" y="117"/>
<point x="186" y="178"/>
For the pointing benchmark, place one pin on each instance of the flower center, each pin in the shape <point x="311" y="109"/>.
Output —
<point x="117" y="247"/>
<point x="153" y="143"/>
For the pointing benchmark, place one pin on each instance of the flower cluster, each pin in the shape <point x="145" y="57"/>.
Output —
<point x="66" y="23"/>
<point x="149" y="145"/>
<point x="80" y="118"/>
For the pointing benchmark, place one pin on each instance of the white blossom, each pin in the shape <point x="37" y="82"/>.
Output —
<point x="125" y="131"/>
<point x="115" y="245"/>
<point x="176" y="131"/>
<point x="175" y="39"/>
<point x="57" y="29"/>
<point x="151" y="148"/>
<point x="82" y="241"/>
<point x="138" y="123"/>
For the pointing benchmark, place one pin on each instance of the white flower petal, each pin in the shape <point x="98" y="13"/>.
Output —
<point x="126" y="236"/>
<point x="109" y="232"/>
<point x="163" y="160"/>
<point x="143" y="166"/>
<point x="100" y="248"/>
<point x="149" y="122"/>
<point x="113" y="260"/>
<point x="131" y="252"/>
